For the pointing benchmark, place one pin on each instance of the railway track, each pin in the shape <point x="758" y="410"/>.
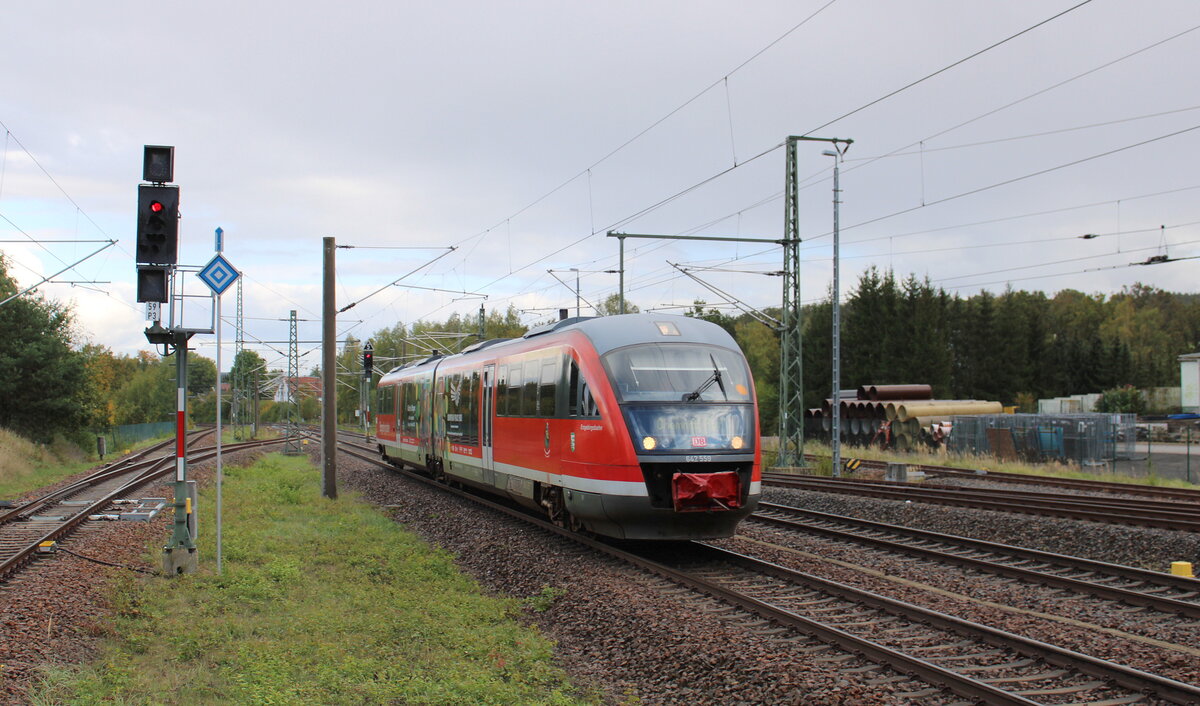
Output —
<point x="973" y="660"/>
<point x="1146" y="513"/>
<point x="921" y="654"/>
<point x="1094" y="486"/>
<point x="52" y="517"/>
<point x="1167" y="593"/>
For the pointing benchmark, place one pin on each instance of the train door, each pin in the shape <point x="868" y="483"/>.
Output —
<point x="487" y="415"/>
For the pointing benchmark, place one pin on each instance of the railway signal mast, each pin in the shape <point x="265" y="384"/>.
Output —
<point x="365" y="388"/>
<point x="157" y="261"/>
<point x="158" y="283"/>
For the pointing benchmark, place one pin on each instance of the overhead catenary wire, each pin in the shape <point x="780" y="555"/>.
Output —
<point x="946" y="68"/>
<point x="527" y="290"/>
<point x="628" y="219"/>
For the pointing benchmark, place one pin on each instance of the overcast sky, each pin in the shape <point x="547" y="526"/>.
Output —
<point x="521" y="132"/>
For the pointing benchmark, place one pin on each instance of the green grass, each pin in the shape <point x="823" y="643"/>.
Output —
<point x="26" y="466"/>
<point x="320" y="602"/>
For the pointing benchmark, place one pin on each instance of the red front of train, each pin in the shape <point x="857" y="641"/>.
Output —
<point x="638" y="426"/>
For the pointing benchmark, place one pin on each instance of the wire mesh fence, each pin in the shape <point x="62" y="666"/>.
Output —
<point x="123" y="436"/>
<point x="1084" y="439"/>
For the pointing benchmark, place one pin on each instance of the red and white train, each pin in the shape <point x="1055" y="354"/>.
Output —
<point x="638" y="426"/>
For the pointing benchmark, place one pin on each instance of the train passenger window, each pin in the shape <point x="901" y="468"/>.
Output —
<point x="548" y="389"/>
<point x="501" y="388"/>
<point x="461" y="409"/>
<point x="411" y="413"/>
<point x="512" y="405"/>
<point x="471" y="412"/>
<point x="529" y="393"/>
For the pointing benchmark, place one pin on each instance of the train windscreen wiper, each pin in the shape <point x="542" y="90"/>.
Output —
<point x="715" y="377"/>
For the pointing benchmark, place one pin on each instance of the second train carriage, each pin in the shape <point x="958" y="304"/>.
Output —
<point x="638" y="426"/>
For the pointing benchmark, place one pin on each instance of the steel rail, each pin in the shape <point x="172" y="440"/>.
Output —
<point x="1148" y="506"/>
<point x="1075" y="510"/>
<point x="112" y="470"/>
<point x="1185" y="494"/>
<point x="1125" y="676"/>
<point x="768" y="513"/>
<point x="936" y="675"/>
<point x="159" y="467"/>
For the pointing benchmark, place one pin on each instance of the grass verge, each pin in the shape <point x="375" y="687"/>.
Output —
<point x="320" y="602"/>
<point x="26" y="466"/>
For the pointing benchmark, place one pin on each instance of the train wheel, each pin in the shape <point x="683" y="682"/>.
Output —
<point x="556" y="509"/>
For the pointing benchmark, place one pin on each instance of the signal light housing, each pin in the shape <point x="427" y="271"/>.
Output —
<point x="158" y="163"/>
<point x="158" y="225"/>
<point x="152" y="283"/>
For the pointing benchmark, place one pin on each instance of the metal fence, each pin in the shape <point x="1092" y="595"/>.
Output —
<point x="1085" y="439"/>
<point x="122" y="437"/>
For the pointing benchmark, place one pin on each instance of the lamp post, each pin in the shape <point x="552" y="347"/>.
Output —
<point x="836" y="441"/>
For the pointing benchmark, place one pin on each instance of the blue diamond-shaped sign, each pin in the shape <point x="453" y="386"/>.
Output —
<point x="218" y="274"/>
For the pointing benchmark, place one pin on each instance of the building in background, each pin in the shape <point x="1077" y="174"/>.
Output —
<point x="1189" y="382"/>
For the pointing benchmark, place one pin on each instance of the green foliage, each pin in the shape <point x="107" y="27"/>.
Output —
<point x="541" y="601"/>
<point x="149" y="392"/>
<point x="201" y="374"/>
<point x="247" y="370"/>
<point x="611" y="306"/>
<point x="999" y="347"/>
<point x="1122" y="399"/>
<point x="44" y="387"/>
<point x="320" y="602"/>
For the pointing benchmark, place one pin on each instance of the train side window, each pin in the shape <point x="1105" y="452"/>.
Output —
<point x="451" y="402"/>
<point x="548" y="388"/>
<point x="587" y="403"/>
<point x="501" y="388"/>
<point x="580" y="400"/>
<point x="573" y="390"/>
<point x="529" y="393"/>
<point x="471" y="408"/>
<point x="411" y="411"/>
<point x="512" y="407"/>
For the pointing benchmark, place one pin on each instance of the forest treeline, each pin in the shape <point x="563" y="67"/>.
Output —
<point x="1014" y="347"/>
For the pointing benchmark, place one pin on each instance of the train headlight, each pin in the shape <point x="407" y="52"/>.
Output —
<point x="737" y="442"/>
<point x="649" y="443"/>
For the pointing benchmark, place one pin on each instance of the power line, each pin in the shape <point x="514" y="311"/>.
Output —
<point x="1046" y="133"/>
<point x="948" y="67"/>
<point x="586" y="171"/>
<point x="1013" y="180"/>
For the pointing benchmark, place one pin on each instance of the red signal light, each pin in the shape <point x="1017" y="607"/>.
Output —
<point x="156" y="207"/>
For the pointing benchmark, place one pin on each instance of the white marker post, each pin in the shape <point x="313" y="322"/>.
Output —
<point x="218" y="274"/>
<point x="220" y="245"/>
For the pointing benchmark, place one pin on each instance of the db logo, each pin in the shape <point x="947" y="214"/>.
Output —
<point x="699" y="441"/>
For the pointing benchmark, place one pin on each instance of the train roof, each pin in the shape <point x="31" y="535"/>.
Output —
<point x="611" y="332"/>
<point x="608" y="333"/>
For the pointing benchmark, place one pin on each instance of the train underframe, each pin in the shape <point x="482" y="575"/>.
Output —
<point x="650" y="517"/>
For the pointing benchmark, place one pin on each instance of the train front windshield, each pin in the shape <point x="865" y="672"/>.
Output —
<point x="684" y="398"/>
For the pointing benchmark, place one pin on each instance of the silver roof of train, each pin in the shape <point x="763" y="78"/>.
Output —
<point x="610" y="332"/>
